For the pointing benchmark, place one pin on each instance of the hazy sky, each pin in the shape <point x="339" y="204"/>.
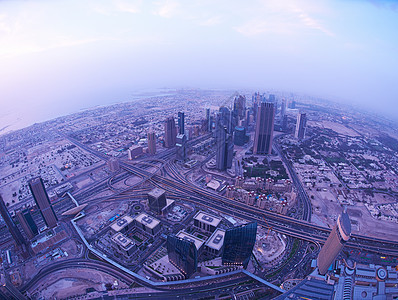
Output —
<point x="61" y="56"/>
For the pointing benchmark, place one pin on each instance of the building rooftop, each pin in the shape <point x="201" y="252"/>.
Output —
<point x="184" y="235"/>
<point x="121" y="222"/>
<point x="216" y="240"/>
<point x="207" y="218"/>
<point x="147" y="220"/>
<point x="156" y="192"/>
<point x="344" y="225"/>
<point x="122" y="240"/>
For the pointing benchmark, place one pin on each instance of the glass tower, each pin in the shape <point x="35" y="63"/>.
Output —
<point x="238" y="244"/>
<point x="182" y="254"/>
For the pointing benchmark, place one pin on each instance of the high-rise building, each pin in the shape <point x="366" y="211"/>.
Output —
<point x="8" y="290"/>
<point x="301" y="126"/>
<point x="335" y="242"/>
<point x="151" y="142"/>
<point x="27" y="223"/>
<point x="264" y="129"/>
<point x="225" y="119"/>
<point x="240" y="137"/>
<point x="114" y="165"/>
<point x="238" y="244"/>
<point x="283" y="108"/>
<point x="15" y="233"/>
<point x="208" y="120"/>
<point x="239" y="107"/>
<point x="182" y="254"/>
<point x="224" y="146"/>
<point x="170" y="132"/>
<point x="157" y="200"/>
<point x="40" y="196"/>
<point x="181" y="144"/>
<point x="181" y="123"/>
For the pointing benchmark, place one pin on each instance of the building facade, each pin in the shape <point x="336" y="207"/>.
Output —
<point x="151" y="143"/>
<point x="182" y="254"/>
<point x="27" y="223"/>
<point x="170" y="132"/>
<point x="264" y="129"/>
<point x="157" y="200"/>
<point x="301" y="126"/>
<point x="181" y="123"/>
<point x="15" y="233"/>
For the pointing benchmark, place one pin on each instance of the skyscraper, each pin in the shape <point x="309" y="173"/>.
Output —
<point x="27" y="223"/>
<point x="240" y="137"/>
<point x="239" y="107"/>
<point x="225" y="118"/>
<point x="238" y="244"/>
<point x="335" y="242"/>
<point x="264" y="129"/>
<point x="170" y="132"/>
<point x="43" y="202"/>
<point x="15" y="233"/>
<point x="181" y="123"/>
<point x="8" y="290"/>
<point x="224" y="146"/>
<point x="208" y="120"/>
<point x="151" y="142"/>
<point x="182" y="254"/>
<point x="181" y="147"/>
<point x="301" y="126"/>
<point x="283" y="108"/>
<point x="157" y="200"/>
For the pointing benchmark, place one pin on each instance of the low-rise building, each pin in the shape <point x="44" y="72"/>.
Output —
<point x="123" y="245"/>
<point x="215" y="242"/>
<point x="148" y="223"/>
<point x="122" y="224"/>
<point x="206" y="221"/>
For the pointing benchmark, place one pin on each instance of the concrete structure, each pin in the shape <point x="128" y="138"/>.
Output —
<point x="157" y="200"/>
<point x="214" y="244"/>
<point x="134" y="151"/>
<point x="40" y="195"/>
<point x="123" y="245"/>
<point x="151" y="143"/>
<point x="15" y="233"/>
<point x="206" y="221"/>
<point x="301" y="126"/>
<point x="122" y="224"/>
<point x="170" y="132"/>
<point x="27" y="223"/>
<point x="147" y="223"/>
<point x="264" y="129"/>
<point x="338" y="237"/>
<point x="113" y="165"/>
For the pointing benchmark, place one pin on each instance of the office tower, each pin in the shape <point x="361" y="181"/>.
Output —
<point x="208" y="120"/>
<point x="151" y="143"/>
<point x="240" y="137"/>
<point x="293" y="104"/>
<point x="27" y="223"/>
<point x="271" y="98"/>
<point x="225" y="118"/>
<point x="170" y="132"/>
<point x="284" y="123"/>
<point x="182" y="254"/>
<point x="335" y="242"/>
<point x="224" y="146"/>
<point x="181" y="123"/>
<point x="181" y="142"/>
<point x="238" y="244"/>
<point x="15" y="233"/>
<point x="283" y="108"/>
<point x="8" y="290"/>
<point x="239" y="107"/>
<point x="43" y="203"/>
<point x="264" y="129"/>
<point x="301" y="126"/>
<point x="113" y="165"/>
<point x="157" y="200"/>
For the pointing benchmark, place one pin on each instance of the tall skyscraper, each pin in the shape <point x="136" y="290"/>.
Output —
<point x="264" y="129"/>
<point x="181" y="147"/>
<point x="238" y="244"/>
<point x="239" y="107"/>
<point x="224" y="146"/>
<point x="240" y="137"/>
<point x="27" y="223"/>
<point x="170" y="132"/>
<point x="208" y="120"/>
<point x="157" y="200"/>
<point x="181" y="123"/>
<point x="335" y="242"/>
<point x="283" y="108"/>
<point x="15" y="233"/>
<point x="301" y="126"/>
<point x="39" y="193"/>
<point x="182" y="254"/>
<point x="225" y="118"/>
<point x="151" y="142"/>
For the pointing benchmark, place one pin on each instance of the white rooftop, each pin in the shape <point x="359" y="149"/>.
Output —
<point x="147" y="220"/>
<point x="184" y="235"/>
<point x="121" y="222"/>
<point x="207" y="218"/>
<point x="216" y="240"/>
<point x="122" y="240"/>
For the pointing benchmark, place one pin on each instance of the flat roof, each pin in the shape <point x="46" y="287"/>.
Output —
<point x="147" y="220"/>
<point x="184" y="235"/>
<point x="216" y="240"/>
<point x="207" y="218"/>
<point x="156" y="192"/>
<point x="122" y="240"/>
<point x="121" y="222"/>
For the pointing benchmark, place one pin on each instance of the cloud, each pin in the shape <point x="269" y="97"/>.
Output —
<point x="167" y="9"/>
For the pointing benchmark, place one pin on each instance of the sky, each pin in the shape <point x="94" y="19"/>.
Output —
<point x="57" y="57"/>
